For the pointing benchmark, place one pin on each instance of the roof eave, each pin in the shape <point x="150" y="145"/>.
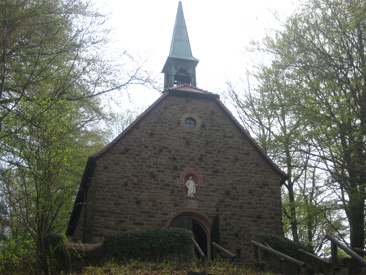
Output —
<point x="170" y="58"/>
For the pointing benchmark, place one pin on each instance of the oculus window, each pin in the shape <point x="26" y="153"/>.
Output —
<point x="190" y="122"/>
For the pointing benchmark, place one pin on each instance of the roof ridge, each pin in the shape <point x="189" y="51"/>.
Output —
<point x="189" y="86"/>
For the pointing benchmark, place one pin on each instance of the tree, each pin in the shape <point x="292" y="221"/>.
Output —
<point x="53" y="65"/>
<point x="56" y="49"/>
<point x="3" y="218"/>
<point x="267" y="114"/>
<point x="45" y="158"/>
<point x="321" y="52"/>
<point x="119" y="121"/>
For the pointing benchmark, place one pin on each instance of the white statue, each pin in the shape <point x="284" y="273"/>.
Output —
<point x="190" y="184"/>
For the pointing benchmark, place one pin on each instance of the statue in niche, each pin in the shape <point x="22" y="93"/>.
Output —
<point x="191" y="186"/>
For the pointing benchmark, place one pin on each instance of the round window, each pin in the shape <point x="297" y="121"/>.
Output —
<point x="190" y="122"/>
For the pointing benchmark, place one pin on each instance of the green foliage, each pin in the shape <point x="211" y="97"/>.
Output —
<point x="309" y="112"/>
<point x="54" y="64"/>
<point x="45" y="162"/>
<point x="171" y="267"/>
<point x="46" y="158"/>
<point x="151" y="244"/>
<point x="54" y="241"/>
<point x="282" y="244"/>
<point x="17" y="255"/>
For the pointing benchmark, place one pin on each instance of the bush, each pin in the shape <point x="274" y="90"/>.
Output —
<point x="17" y="255"/>
<point x="65" y="258"/>
<point x="153" y="244"/>
<point x="54" y="241"/>
<point x="282" y="244"/>
<point x="57" y="253"/>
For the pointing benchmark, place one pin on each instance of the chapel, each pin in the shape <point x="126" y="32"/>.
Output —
<point x="184" y="162"/>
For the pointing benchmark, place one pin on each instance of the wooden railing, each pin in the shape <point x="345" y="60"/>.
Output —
<point x="225" y="251"/>
<point x="217" y="246"/>
<point x="278" y="254"/>
<point x="335" y="243"/>
<point x="359" y="250"/>
<point x="198" y="248"/>
<point x="325" y="263"/>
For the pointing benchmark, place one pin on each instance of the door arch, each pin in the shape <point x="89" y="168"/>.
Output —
<point x="199" y="224"/>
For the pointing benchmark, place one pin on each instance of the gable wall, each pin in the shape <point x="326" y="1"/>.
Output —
<point x="136" y="183"/>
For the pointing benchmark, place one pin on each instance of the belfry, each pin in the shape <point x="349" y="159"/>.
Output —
<point x="180" y="66"/>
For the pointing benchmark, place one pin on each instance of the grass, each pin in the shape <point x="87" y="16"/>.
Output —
<point x="170" y="267"/>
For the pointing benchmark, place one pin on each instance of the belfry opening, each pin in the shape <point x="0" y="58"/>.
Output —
<point x="182" y="77"/>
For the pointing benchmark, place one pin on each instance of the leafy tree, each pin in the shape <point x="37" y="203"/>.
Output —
<point x="46" y="159"/>
<point x="321" y="54"/>
<point x="267" y="114"/>
<point x="53" y="65"/>
<point x="317" y="211"/>
<point x="56" y="49"/>
<point x="119" y="121"/>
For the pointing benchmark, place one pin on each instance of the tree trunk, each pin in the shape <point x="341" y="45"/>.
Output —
<point x="356" y="221"/>
<point x="293" y="220"/>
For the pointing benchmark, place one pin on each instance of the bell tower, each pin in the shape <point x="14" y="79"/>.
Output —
<point x="180" y="66"/>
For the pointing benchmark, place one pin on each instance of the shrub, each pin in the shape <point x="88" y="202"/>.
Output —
<point x="153" y="244"/>
<point x="54" y="241"/>
<point x="17" y="255"/>
<point x="282" y="244"/>
<point x="65" y="258"/>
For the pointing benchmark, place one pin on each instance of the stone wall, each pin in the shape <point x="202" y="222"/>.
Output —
<point x="137" y="183"/>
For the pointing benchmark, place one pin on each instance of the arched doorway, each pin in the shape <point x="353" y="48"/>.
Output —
<point x="199" y="224"/>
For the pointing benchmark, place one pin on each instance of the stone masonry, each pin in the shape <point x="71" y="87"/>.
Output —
<point x="137" y="182"/>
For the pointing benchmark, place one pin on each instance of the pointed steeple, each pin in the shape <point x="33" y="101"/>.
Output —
<point x="180" y="46"/>
<point x="180" y="67"/>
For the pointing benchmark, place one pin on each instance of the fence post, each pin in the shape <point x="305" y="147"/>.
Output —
<point x="255" y="252"/>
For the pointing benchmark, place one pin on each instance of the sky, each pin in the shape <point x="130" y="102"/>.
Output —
<point x="219" y="33"/>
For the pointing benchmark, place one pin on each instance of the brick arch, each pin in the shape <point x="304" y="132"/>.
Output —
<point x="195" y="176"/>
<point x="202" y="218"/>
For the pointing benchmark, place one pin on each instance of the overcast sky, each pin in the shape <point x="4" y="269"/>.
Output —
<point x="219" y="32"/>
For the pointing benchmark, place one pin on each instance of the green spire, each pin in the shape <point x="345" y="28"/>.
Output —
<point x="180" y="67"/>
<point x="180" y="47"/>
